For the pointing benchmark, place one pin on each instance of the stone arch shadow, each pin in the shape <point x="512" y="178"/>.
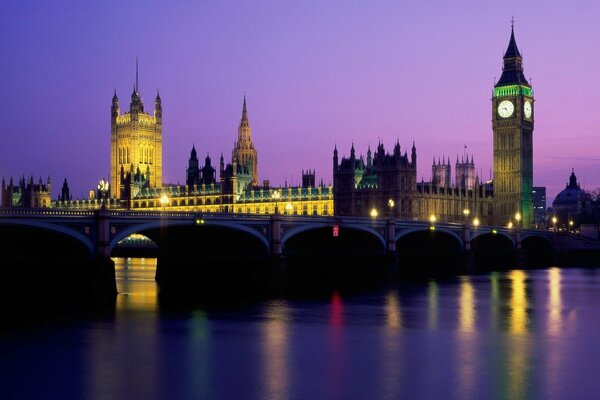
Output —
<point x="538" y="251"/>
<point x="201" y="261"/>
<point x="50" y="265"/>
<point x="313" y="252"/>
<point x="424" y="252"/>
<point x="493" y="251"/>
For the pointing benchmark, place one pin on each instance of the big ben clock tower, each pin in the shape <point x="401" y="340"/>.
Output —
<point x="512" y="123"/>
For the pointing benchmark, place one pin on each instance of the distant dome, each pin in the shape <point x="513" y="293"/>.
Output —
<point x="571" y="195"/>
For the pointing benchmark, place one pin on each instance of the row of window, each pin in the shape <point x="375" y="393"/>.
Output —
<point x="146" y="155"/>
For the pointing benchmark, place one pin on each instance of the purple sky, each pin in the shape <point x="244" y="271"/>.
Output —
<point x="315" y="73"/>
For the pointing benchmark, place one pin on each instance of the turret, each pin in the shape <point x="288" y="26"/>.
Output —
<point x="114" y="109"/>
<point x="158" y="108"/>
<point x="352" y="154"/>
<point x="369" y="157"/>
<point x="335" y="158"/>
<point x="413" y="155"/>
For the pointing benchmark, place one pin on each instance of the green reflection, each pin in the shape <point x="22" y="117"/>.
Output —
<point x="432" y="304"/>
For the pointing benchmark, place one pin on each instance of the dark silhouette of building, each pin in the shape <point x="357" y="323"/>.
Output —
<point x="26" y="193"/>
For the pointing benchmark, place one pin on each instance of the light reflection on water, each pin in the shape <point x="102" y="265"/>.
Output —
<point x="516" y="334"/>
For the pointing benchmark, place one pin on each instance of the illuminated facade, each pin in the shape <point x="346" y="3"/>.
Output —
<point x="512" y="123"/>
<point x="136" y="144"/>
<point x="244" y="154"/>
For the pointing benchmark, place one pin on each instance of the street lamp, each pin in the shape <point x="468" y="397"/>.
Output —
<point x="164" y="200"/>
<point x="510" y="225"/>
<point x="476" y="222"/>
<point x="432" y="219"/>
<point x="554" y="221"/>
<point x="570" y="225"/>
<point x="276" y="196"/>
<point x="374" y="213"/>
<point x="391" y="205"/>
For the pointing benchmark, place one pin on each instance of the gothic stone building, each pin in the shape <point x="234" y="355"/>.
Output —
<point x="360" y="187"/>
<point x="136" y="142"/>
<point x="26" y="193"/>
<point x="387" y="183"/>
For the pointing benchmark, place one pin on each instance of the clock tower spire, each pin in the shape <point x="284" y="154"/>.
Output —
<point x="512" y="124"/>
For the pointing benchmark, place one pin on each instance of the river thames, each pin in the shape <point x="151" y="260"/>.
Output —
<point x="504" y="335"/>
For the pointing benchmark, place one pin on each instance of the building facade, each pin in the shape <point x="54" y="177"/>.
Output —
<point x="136" y="142"/>
<point x="512" y="125"/>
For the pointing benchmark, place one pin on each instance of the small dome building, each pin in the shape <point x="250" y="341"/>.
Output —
<point x="572" y="204"/>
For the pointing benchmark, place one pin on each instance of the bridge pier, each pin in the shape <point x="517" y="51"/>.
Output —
<point x="104" y="284"/>
<point x="519" y="254"/>
<point x="468" y="252"/>
<point x="391" y="251"/>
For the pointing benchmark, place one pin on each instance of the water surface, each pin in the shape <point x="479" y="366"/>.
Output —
<point x="509" y="335"/>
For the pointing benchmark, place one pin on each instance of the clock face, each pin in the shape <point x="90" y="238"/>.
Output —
<point x="527" y="109"/>
<point x="506" y="108"/>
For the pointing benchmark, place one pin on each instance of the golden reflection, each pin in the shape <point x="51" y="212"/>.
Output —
<point x="555" y="302"/>
<point x="136" y="284"/>
<point x="275" y="347"/>
<point x="518" y="302"/>
<point x="391" y="361"/>
<point x="392" y="310"/>
<point x="467" y="344"/>
<point x="432" y="304"/>
<point x="467" y="313"/>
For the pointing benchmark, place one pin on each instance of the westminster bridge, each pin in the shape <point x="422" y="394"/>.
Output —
<point x="237" y="245"/>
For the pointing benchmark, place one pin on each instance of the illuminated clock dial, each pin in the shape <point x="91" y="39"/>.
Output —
<point x="506" y="108"/>
<point x="527" y="109"/>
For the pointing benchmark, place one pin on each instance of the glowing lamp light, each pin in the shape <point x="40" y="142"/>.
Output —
<point x="466" y="212"/>
<point x="164" y="200"/>
<point x="200" y="221"/>
<point x="476" y="222"/>
<point x="494" y="231"/>
<point x="432" y="228"/>
<point x="510" y="225"/>
<point x="518" y="217"/>
<point x="391" y="203"/>
<point x="570" y="223"/>
<point x="374" y="213"/>
<point x="288" y="208"/>
<point x="554" y="220"/>
<point x="432" y="219"/>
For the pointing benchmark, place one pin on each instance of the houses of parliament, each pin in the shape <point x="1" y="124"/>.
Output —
<point x="384" y="183"/>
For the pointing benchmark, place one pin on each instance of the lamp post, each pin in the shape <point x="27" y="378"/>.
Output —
<point x="391" y="205"/>
<point x="554" y="221"/>
<point x="276" y="196"/>
<point x="475" y="222"/>
<point x="571" y="225"/>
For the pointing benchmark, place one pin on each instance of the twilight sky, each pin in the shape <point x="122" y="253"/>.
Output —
<point x="315" y="73"/>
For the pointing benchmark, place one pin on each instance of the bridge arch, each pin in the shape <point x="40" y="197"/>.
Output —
<point x="59" y="229"/>
<point x="405" y="232"/>
<point x="493" y="250"/>
<point x="538" y="251"/>
<point x="479" y="233"/>
<point x="314" y="226"/>
<point x="141" y="228"/>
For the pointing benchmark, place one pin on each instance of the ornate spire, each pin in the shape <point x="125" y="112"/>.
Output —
<point x="244" y="110"/>
<point x="512" y="71"/>
<point x="512" y="50"/>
